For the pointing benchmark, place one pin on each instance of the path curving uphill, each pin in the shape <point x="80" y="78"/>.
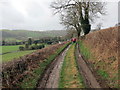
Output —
<point x="50" y="79"/>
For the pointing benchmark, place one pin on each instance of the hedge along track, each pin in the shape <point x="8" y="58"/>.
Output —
<point x="86" y="73"/>
<point x="50" y="77"/>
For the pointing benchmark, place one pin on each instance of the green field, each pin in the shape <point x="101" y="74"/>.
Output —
<point x="11" y="56"/>
<point x="9" y="48"/>
<point x="4" y="49"/>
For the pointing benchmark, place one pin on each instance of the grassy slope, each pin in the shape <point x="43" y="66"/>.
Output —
<point x="70" y="77"/>
<point x="88" y="56"/>
<point x="11" y="56"/>
<point x="31" y="81"/>
<point x="103" y="57"/>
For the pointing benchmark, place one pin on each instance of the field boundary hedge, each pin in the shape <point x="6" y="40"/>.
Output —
<point x="14" y="71"/>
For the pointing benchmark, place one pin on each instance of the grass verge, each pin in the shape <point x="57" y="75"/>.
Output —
<point x="103" y="75"/>
<point x="70" y="77"/>
<point x="85" y="51"/>
<point x="31" y="80"/>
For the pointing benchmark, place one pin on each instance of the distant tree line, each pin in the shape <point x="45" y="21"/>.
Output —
<point x="39" y="44"/>
<point x="6" y="43"/>
<point x="30" y="41"/>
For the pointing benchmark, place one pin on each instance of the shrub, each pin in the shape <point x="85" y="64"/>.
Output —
<point x="29" y="41"/>
<point x="21" y="48"/>
<point x="26" y="46"/>
<point x="35" y="42"/>
<point x="31" y="48"/>
<point x="34" y="47"/>
<point x="49" y="42"/>
<point x="41" y="46"/>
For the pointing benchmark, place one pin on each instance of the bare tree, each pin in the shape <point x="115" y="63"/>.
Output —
<point x="78" y="13"/>
<point x="71" y="20"/>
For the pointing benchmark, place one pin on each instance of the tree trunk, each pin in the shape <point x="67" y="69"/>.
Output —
<point x="86" y="28"/>
<point x="85" y="24"/>
<point x="78" y="32"/>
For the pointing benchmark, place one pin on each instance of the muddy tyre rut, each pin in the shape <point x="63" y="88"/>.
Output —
<point x="50" y="79"/>
<point x="89" y="79"/>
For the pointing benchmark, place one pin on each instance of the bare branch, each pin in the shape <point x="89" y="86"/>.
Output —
<point x="78" y="13"/>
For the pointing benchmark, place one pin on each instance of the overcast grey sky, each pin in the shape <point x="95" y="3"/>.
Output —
<point x="37" y="15"/>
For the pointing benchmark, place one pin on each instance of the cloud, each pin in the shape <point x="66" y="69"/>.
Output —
<point x="111" y="18"/>
<point x="10" y="16"/>
<point x="37" y="15"/>
<point x="28" y="14"/>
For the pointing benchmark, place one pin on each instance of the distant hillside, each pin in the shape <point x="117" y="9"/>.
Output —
<point x="24" y="34"/>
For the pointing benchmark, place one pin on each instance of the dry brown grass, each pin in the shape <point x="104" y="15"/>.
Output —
<point x="103" y="45"/>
